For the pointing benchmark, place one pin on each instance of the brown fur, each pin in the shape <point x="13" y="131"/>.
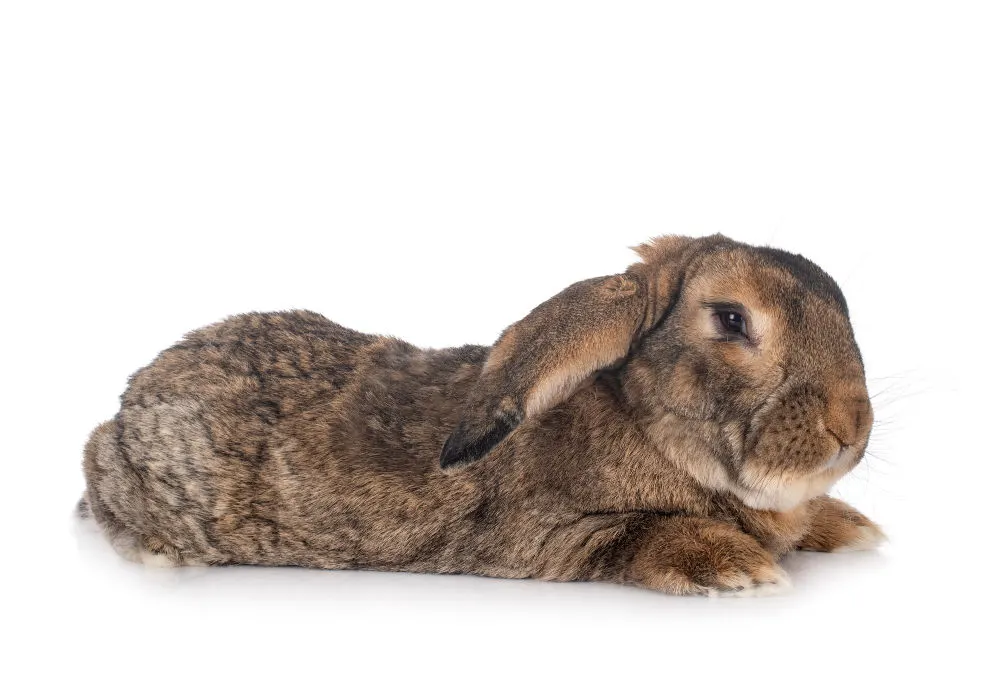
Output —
<point x="615" y="433"/>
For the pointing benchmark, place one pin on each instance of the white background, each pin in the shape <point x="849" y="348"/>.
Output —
<point x="433" y="171"/>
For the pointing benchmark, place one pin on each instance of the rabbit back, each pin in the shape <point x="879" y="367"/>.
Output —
<point x="284" y="438"/>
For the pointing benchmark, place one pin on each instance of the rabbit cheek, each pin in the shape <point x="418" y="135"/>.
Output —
<point x="793" y="459"/>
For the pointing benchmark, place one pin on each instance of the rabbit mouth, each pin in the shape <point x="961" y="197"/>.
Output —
<point x="843" y="459"/>
<point x="769" y="480"/>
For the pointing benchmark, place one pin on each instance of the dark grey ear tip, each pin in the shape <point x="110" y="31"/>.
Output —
<point x="464" y="446"/>
<point x="455" y="452"/>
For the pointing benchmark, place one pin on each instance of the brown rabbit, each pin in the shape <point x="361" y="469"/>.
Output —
<point x="674" y="427"/>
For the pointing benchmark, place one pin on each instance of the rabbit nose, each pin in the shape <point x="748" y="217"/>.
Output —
<point x="848" y="415"/>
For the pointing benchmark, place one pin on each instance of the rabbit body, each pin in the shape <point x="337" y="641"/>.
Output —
<point x="286" y="439"/>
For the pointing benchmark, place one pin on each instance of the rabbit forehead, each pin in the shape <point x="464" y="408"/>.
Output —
<point x="786" y="295"/>
<point x="768" y="275"/>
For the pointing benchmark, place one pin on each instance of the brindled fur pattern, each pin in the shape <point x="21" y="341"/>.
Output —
<point x="629" y="429"/>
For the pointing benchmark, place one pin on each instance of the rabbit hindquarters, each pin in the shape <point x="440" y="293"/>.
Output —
<point x="112" y="480"/>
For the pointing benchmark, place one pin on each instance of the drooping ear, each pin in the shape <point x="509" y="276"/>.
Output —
<point x="541" y="360"/>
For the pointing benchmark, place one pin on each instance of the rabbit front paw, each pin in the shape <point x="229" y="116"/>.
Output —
<point x="694" y="556"/>
<point x="837" y="527"/>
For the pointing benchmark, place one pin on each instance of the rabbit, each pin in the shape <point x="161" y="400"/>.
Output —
<point x="674" y="427"/>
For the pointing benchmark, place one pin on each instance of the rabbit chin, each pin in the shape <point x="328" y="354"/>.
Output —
<point x="771" y="491"/>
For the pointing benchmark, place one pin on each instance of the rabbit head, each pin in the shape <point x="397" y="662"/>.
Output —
<point x="750" y="343"/>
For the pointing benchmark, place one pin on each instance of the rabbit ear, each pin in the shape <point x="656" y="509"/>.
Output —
<point x="541" y="360"/>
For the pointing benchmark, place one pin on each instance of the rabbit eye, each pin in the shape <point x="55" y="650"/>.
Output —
<point x="732" y="323"/>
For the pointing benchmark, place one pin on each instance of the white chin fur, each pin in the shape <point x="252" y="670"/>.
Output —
<point x="779" y="495"/>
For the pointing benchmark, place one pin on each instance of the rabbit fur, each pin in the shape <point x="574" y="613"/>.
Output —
<point x="674" y="427"/>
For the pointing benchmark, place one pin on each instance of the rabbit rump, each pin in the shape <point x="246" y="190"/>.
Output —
<point x="674" y="427"/>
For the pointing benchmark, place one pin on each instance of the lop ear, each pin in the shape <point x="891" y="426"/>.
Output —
<point x="541" y="360"/>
